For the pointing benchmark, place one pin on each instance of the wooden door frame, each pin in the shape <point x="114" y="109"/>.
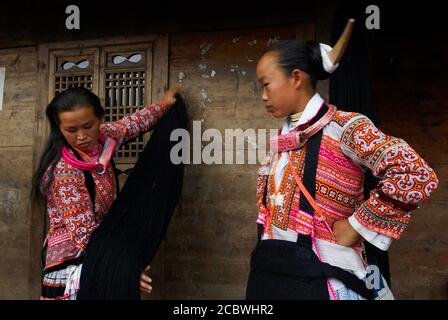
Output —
<point x="159" y="83"/>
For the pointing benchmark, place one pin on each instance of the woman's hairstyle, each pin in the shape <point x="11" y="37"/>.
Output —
<point x="303" y="55"/>
<point x="67" y="100"/>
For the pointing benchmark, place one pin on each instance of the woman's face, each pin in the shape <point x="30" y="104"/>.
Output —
<point x="80" y="127"/>
<point x="280" y="93"/>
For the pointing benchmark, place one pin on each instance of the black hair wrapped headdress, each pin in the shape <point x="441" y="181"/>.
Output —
<point x="130" y="234"/>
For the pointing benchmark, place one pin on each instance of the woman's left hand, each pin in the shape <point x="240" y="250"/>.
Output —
<point x="169" y="97"/>
<point x="145" y="281"/>
<point x="345" y="234"/>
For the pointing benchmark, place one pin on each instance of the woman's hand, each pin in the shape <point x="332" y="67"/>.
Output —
<point x="145" y="282"/>
<point x="345" y="234"/>
<point x="169" y="97"/>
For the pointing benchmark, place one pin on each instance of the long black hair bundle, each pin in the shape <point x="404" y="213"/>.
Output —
<point x="130" y="234"/>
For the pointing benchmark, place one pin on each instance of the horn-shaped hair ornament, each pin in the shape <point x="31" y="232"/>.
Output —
<point x="338" y="50"/>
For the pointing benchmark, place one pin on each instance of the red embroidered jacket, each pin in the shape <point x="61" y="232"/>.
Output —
<point x="69" y="207"/>
<point x="350" y="145"/>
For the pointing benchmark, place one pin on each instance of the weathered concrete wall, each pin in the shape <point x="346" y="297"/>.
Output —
<point x="16" y="163"/>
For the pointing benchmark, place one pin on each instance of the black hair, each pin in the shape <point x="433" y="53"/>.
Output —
<point x="128" y="237"/>
<point x="303" y="55"/>
<point x="67" y="100"/>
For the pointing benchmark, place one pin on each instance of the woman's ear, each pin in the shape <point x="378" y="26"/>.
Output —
<point x="297" y="76"/>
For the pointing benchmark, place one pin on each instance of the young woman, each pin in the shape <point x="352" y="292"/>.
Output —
<point x="80" y="142"/>
<point x="310" y="188"/>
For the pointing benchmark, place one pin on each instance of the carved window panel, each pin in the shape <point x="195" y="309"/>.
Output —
<point x="63" y="82"/>
<point x="126" y="81"/>
<point x="73" y="68"/>
<point x="129" y="59"/>
<point x="74" y="64"/>
<point x="125" y="94"/>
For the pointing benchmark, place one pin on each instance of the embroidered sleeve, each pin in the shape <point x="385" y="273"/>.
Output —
<point x="73" y="203"/>
<point x="379" y="240"/>
<point x="405" y="178"/>
<point x="132" y="125"/>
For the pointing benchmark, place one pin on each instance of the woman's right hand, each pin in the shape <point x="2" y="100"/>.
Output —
<point x="145" y="281"/>
<point x="169" y="97"/>
<point x="345" y="234"/>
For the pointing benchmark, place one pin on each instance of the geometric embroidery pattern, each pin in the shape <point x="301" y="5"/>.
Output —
<point x="405" y="181"/>
<point x="405" y="177"/>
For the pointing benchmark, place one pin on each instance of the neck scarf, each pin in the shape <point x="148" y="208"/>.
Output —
<point x="100" y="164"/>
<point x="296" y="138"/>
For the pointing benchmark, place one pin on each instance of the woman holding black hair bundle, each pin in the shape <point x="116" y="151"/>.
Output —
<point x="312" y="217"/>
<point x="76" y="181"/>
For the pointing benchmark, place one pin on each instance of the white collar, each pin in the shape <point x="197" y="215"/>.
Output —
<point x="310" y="111"/>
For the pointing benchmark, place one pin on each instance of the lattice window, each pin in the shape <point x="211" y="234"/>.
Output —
<point x="73" y="71"/>
<point x="124" y="92"/>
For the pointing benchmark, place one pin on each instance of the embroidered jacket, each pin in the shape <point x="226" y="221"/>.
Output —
<point x="69" y="207"/>
<point x="351" y="144"/>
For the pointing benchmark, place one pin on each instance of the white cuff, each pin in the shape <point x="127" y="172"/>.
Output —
<point x="327" y="63"/>
<point x="379" y="240"/>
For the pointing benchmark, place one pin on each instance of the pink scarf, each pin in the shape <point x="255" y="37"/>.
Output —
<point x="295" y="139"/>
<point x="100" y="165"/>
